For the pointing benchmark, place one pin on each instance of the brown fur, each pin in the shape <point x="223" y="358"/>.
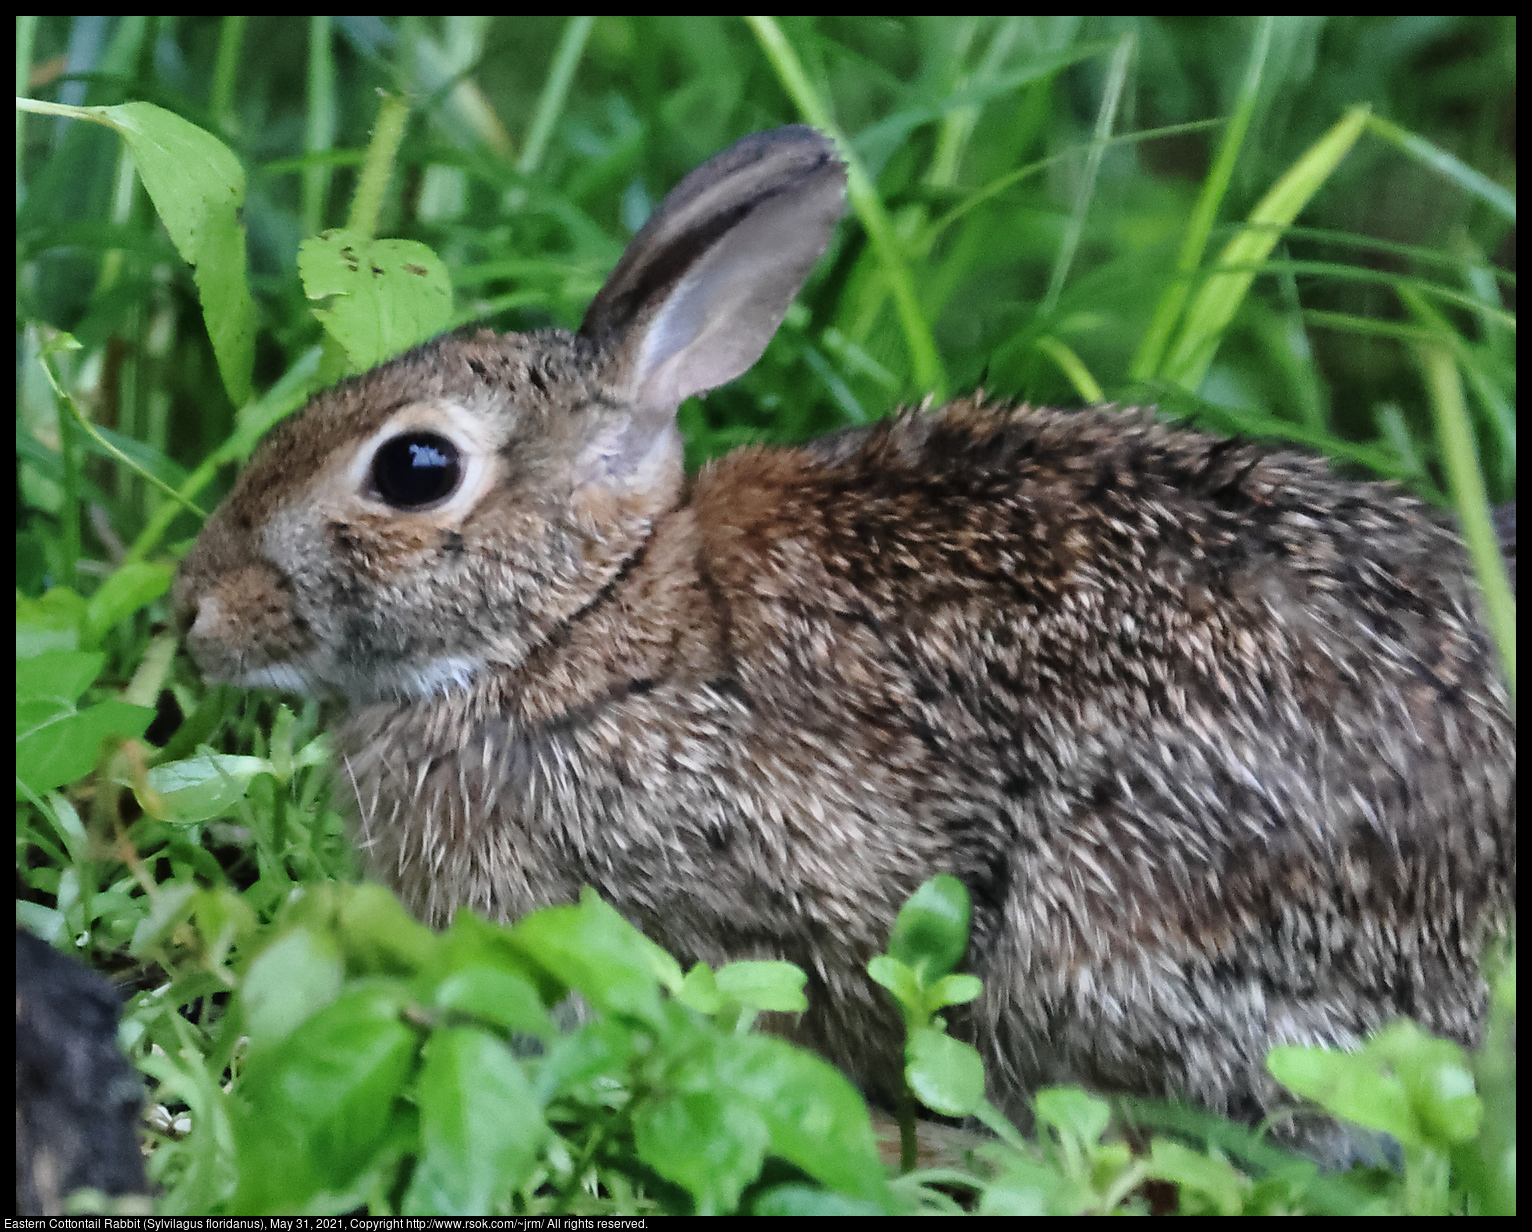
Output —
<point x="1213" y="737"/>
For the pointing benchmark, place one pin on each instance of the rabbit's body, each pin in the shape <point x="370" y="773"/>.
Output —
<point x="1212" y="736"/>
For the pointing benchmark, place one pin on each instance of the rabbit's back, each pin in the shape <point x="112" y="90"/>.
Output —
<point x="1211" y="736"/>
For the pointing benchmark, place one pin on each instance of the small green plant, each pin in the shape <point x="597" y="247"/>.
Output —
<point x="1421" y="1090"/>
<point x="375" y="1066"/>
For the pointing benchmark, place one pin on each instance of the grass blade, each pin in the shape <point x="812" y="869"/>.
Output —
<point x="550" y="104"/>
<point x="1473" y="182"/>
<point x="1168" y="311"/>
<point x="1224" y="291"/>
<point x="1465" y="481"/>
<point x="925" y="363"/>
<point x="1106" y="115"/>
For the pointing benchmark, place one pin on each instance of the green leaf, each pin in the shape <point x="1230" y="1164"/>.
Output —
<point x="699" y="990"/>
<point x="770" y="985"/>
<point x="172" y="906"/>
<point x="294" y="978"/>
<point x="817" y="1119"/>
<point x="378" y="935"/>
<point x="1208" y="1185"/>
<point x="1351" y="1085"/>
<point x="931" y="931"/>
<point x="801" y="1200"/>
<point x="899" y="980"/>
<point x="705" y="1141"/>
<point x="66" y="747"/>
<point x="129" y="588"/>
<point x="953" y="990"/>
<point x="318" y="1111"/>
<point x="198" y="190"/>
<point x="498" y="996"/>
<point x="595" y="951"/>
<point x="1224" y="291"/>
<point x="1078" y="1117"/>
<point x="480" y="1126"/>
<point x="1030" y="1187"/>
<point x="385" y="295"/>
<point x="473" y="941"/>
<point x="222" y="917"/>
<point x="199" y="788"/>
<point x="58" y="676"/>
<point x="1437" y="1076"/>
<point x="598" y="1054"/>
<point x="945" y="1074"/>
<point x="50" y="623"/>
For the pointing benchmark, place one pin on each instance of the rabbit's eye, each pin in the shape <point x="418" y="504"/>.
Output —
<point x="416" y="470"/>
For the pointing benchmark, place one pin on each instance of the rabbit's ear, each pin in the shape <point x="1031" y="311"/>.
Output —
<point x="705" y="283"/>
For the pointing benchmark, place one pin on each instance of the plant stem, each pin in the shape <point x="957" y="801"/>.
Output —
<point x="550" y="104"/>
<point x="379" y="164"/>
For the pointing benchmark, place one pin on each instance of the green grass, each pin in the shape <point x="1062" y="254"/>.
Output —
<point x="1292" y="228"/>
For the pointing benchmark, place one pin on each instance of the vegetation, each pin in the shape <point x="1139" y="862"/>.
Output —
<point x="1292" y="228"/>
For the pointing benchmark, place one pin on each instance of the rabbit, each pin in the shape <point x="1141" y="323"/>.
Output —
<point x="1213" y="737"/>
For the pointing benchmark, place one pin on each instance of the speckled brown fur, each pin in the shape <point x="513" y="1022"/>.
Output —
<point x="1214" y="737"/>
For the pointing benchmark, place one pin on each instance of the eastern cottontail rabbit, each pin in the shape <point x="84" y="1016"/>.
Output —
<point x="1212" y="736"/>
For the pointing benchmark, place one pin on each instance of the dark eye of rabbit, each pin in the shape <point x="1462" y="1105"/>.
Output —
<point x="416" y="470"/>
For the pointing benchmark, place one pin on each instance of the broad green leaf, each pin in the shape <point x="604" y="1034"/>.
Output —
<point x="123" y="593"/>
<point x="1030" y="1187"/>
<point x="1351" y="1085"/>
<point x="50" y="623"/>
<point x="293" y="978"/>
<point x="1437" y="1076"/>
<point x="945" y="1074"/>
<point x="1077" y="1116"/>
<point x="480" y="1126"/>
<point x="496" y="995"/>
<point x="699" y="990"/>
<point x="705" y="1141"/>
<point x="953" y="990"/>
<point x="385" y="296"/>
<point x="931" y="931"/>
<point x="198" y="190"/>
<point x="898" y="979"/>
<point x="318" y="1110"/>
<point x="817" y="1119"/>
<point x="769" y="985"/>
<point x="378" y="935"/>
<point x="68" y="746"/>
<point x="1208" y="1185"/>
<point x="473" y="941"/>
<point x="596" y="952"/>
<point x="57" y="675"/>
<point x="201" y="787"/>
<point x="597" y="1053"/>
<point x="801" y="1200"/>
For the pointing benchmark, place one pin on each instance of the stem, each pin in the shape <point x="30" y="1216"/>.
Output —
<point x="69" y="512"/>
<point x="381" y="151"/>
<point x="907" y="1142"/>
<point x="319" y="123"/>
<point x="1167" y="312"/>
<point x="550" y="104"/>
<point x="1465" y="483"/>
<point x="231" y="39"/>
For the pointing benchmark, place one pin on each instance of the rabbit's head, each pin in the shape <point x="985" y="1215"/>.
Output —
<point x="449" y="509"/>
